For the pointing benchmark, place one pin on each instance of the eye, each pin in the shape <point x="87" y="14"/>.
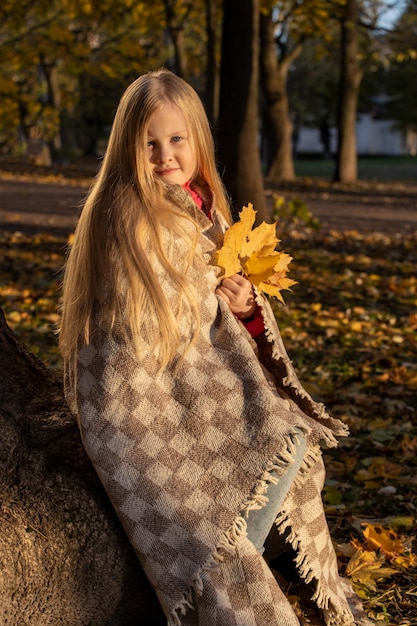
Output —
<point x="150" y="143"/>
<point x="176" y="139"/>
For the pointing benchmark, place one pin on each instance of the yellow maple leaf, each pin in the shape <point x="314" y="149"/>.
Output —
<point x="390" y="544"/>
<point x="385" y="540"/>
<point x="228" y="257"/>
<point x="261" y="239"/>
<point x="366" y="568"/>
<point x="275" y="285"/>
<point x="252" y="252"/>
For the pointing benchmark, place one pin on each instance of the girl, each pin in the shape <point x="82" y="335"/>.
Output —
<point x="187" y="402"/>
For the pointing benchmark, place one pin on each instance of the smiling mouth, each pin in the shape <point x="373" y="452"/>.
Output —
<point x="167" y="171"/>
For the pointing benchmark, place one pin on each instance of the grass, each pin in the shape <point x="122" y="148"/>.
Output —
<point x="371" y="169"/>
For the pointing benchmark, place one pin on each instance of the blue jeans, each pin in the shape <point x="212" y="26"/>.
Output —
<point x="260" y="521"/>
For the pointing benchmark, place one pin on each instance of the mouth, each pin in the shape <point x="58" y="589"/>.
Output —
<point x="166" y="171"/>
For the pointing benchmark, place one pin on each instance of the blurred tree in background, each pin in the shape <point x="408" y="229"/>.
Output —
<point x="65" y="63"/>
<point x="286" y="26"/>
<point x="401" y="78"/>
<point x="238" y="111"/>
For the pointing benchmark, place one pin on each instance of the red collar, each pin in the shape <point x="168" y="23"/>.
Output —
<point x="195" y="196"/>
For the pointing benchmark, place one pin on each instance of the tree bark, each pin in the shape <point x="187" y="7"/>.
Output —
<point x="64" y="556"/>
<point x="175" y="24"/>
<point x="274" y="78"/>
<point x="238" y="136"/>
<point x="351" y="76"/>
<point x="212" y="97"/>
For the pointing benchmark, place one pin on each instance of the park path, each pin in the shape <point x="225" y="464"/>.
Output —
<point x="47" y="206"/>
<point x="32" y="206"/>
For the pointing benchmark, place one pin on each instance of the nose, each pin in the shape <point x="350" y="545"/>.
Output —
<point x="163" y="153"/>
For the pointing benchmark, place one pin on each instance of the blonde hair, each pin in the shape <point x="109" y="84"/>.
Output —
<point x="108" y="275"/>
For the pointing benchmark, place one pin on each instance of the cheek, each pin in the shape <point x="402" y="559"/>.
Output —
<point x="147" y="165"/>
<point x="192" y="159"/>
<point x="191" y="152"/>
<point x="151" y="155"/>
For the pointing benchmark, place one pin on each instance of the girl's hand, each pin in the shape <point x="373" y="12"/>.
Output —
<point x="237" y="292"/>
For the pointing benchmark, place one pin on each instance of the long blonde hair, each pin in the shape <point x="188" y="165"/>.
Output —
<point x="108" y="273"/>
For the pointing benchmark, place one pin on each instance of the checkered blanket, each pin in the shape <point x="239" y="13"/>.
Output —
<point x="186" y="451"/>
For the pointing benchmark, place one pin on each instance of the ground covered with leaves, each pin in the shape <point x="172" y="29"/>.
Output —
<point x="350" y="327"/>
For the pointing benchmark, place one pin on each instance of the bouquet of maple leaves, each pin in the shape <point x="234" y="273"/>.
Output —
<point x="252" y="253"/>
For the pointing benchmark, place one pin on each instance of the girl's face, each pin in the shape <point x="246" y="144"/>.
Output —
<point x="170" y="151"/>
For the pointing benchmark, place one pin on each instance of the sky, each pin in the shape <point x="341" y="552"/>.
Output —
<point x="393" y="13"/>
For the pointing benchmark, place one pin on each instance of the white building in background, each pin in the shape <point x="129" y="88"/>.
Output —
<point x="374" y="137"/>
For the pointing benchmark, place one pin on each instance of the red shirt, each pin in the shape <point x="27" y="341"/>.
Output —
<point x="195" y="196"/>
<point x="255" y="324"/>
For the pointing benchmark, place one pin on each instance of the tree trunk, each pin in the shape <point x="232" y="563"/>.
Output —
<point x="212" y="97"/>
<point x="64" y="556"/>
<point x="274" y="78"/>
<point x="351" y="76"/>
<point x="238" y="140"/>
<point x="175" y="24"/>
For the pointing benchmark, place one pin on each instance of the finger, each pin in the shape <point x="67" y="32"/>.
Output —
<point x="220" y="292"/>
<point x="239" y="279"/>
<point x="231" y="285"/>
<point x="229" y="296"/>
